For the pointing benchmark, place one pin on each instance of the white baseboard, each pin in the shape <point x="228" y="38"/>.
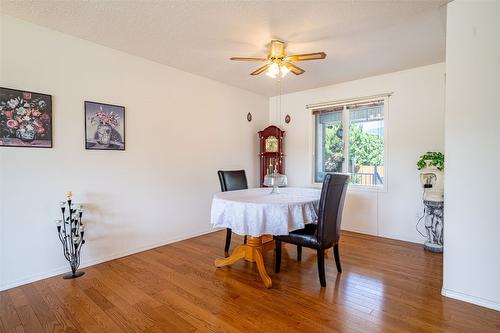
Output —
<point x="65" y="269"/>
<point x="365" y="232"/>
<point x="471" y="299"/>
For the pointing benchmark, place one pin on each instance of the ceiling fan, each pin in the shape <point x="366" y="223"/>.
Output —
<point x="278" y="61"/>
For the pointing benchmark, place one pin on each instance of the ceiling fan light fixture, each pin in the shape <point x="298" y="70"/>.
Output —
<point x="273" y="70"/>
<point x="276" y="69"/>
<point x="284" y="70"/>
<point x="271" y="75"/>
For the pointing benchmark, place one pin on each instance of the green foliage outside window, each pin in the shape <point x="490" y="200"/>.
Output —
<point x="334" y="156"/>
<point x="365" y="148"/>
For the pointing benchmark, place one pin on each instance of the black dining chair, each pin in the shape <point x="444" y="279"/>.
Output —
<point x="232" y="181"/>
<point x="326" y="232"/>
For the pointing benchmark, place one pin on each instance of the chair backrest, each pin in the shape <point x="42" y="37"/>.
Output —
<point x="232" y="180"/>
<point x="331" y="204"/>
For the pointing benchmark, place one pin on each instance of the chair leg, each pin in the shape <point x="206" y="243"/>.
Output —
<point x="321" y="267"/>
<point x="299" y="253"/>
<point x="337" y="257"/>
<point x="245" y="239"/>
<point x="277" y="265"/>
<point x="228" y="242"/>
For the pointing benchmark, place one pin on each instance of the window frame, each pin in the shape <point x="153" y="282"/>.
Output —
<point x="345" y="124"/>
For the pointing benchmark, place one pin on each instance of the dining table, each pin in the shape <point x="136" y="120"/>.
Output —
<point x="258" y="214"/>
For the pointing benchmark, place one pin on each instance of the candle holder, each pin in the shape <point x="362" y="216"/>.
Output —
<point x="71" y="230"/>
<point x="275" y="180"/>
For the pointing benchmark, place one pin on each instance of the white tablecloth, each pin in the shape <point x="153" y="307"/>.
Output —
<point x="256" y="212"/>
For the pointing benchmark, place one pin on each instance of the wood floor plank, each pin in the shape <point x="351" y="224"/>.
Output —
<point x="137" y="322"/>
<point x="82" y="309"/>
<point x="17" y="329"/>
<point x="67" y="321"/>
<point x="9" y="319"/>
<point x="29" y="320"/>
<point x="386" y="286"/>
<point x="43" y="312"/>
<point x="165" y="318"/>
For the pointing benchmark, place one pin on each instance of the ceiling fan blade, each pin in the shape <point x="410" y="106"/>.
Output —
<point x="294" y="69"/>
<point x="260" y="70"/>
<point x="247" y="59"/>
<point x="306" y="56"/>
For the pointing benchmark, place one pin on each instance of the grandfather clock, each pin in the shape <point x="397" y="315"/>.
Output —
<point x="271" y="151"/>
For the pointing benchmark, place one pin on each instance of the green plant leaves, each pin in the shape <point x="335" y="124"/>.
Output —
<point x="436" y="159"/>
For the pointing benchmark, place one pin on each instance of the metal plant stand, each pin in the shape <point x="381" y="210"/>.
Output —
<point x="71" y="230"/>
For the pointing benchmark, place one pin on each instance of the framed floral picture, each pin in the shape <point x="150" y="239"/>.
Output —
<point x="104" y="126"/>
<point x="25" y="119"/>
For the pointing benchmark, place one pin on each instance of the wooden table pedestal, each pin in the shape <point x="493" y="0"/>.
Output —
<point x="252" y="252"/>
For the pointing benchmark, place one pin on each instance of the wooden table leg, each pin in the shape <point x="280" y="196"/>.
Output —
<point x="238" y="253"/>
<point x="252" y="252"/>
<point x="262" y="269"/>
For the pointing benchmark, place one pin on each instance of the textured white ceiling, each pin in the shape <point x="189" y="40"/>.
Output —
<point x="361" y="38"/>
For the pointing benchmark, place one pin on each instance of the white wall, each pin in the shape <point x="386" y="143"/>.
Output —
<point x="472" y="219"/>
<point x="414" y="125"/>
<point x="181" y="128"/>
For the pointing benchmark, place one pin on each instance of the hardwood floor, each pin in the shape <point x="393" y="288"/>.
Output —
<point x="386" y="286"/>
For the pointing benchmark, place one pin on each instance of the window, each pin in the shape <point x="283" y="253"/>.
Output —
<point x="358" y="151"/>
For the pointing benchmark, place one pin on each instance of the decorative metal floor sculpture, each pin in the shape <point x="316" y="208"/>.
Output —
<point x="71" y="230"/>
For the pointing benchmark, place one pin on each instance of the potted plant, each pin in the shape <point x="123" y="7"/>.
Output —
<point x="431" y="159"/>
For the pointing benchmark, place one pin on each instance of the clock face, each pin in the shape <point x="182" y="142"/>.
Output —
<point x="271" y="144"/>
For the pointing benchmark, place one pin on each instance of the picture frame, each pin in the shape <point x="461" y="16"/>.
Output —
<point x="25" y="119"/>
<point x="104" y="126"/>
